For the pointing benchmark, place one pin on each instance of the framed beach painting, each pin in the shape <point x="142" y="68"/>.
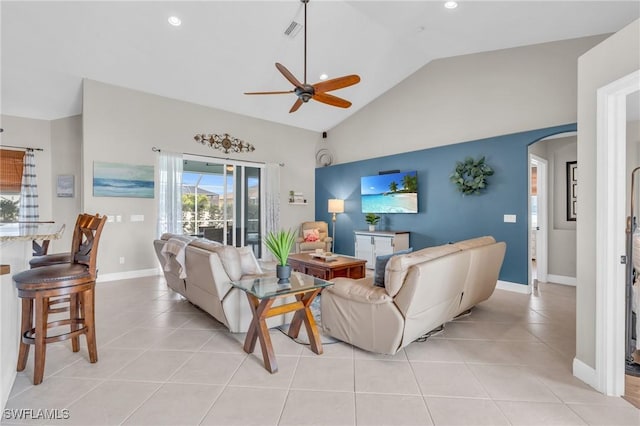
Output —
<point x="122" y="180"/>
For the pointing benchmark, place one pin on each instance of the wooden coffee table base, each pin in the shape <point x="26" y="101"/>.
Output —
<point x="264" y="309"/>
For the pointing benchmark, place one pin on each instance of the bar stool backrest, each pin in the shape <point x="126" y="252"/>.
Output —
<point x="86" y="235"/>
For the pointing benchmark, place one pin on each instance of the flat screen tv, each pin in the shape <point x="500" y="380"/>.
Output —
<point x="390" y="193"/>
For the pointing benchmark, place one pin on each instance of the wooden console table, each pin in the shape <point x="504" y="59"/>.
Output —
<point x="348" y="267"/>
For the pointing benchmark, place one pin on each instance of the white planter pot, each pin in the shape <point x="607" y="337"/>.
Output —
<point x="372" y="228"/>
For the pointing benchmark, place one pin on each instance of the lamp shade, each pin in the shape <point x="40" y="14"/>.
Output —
<point x="336" y="205"/>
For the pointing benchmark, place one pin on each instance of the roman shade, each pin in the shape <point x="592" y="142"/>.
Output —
<point x="11" y="165"/>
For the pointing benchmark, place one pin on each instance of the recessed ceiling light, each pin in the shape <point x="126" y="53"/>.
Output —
<point x="175" y="21"/>
<point x="323" y="76"/>
<point x="451" y="4"/>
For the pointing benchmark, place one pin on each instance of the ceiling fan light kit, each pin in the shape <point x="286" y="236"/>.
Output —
<point x="318" y="92"/>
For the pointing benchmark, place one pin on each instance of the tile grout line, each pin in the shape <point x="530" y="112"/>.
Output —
<point x="286" y="397"/>
<point x="224" y="387"/>
<point x="161" y="383"/>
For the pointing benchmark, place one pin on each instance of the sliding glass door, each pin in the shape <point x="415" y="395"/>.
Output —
<point x="221" y="202"/>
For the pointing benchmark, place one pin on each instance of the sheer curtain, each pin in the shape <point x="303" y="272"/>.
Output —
<point x="169" y="193"/>
<point x="28" y="206"/>
<point x="272" y="199"/>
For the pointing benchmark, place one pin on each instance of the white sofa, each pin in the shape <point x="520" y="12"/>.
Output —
<point x="209" y="267"/>
<point x="423" y="290"/>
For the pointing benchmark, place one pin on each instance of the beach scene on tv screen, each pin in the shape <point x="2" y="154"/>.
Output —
<point x="390" y="193"/>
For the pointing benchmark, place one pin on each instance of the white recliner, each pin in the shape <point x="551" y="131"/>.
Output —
<point x="209" y="267"/>
<point x="422" y="291"/>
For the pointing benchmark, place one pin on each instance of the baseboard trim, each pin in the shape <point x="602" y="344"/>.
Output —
<point x="129" y="274"/>
<point x="6" y="387"/>
<point x="514" y="287"/>
<point x="585" y="373"/>
<point x="561" y="279"/>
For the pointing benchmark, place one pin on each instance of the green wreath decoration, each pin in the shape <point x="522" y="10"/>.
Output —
<point x="470" y="176"/>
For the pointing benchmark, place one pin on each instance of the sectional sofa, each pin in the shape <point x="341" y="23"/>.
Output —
<point x="422" y="290"/>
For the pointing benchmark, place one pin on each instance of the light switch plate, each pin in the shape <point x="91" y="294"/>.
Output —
<point x="137" y="218"/>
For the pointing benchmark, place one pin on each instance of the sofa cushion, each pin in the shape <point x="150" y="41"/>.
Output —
<point x="205" y="244"/>
<point x="230" y="261"/>
<point x="381" y="264"/>
<point x="248" y="262"/>
<point x="397" y="267"/>
<point x="361" y="290"/>
<point x="474" y="242"/>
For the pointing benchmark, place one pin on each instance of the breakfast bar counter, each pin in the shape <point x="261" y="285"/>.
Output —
<point x="15" y="252"/>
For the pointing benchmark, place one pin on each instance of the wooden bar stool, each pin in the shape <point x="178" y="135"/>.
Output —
<point x="75" y="279"/>
<point x="41" y="257"/>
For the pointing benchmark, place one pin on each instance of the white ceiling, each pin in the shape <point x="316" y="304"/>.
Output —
<point x="226" y="48"/>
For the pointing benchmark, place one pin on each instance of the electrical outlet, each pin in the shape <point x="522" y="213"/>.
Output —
<point x="122" y="260"/>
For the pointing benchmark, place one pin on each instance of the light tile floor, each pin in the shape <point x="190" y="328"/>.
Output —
<point x="163" y="361"/>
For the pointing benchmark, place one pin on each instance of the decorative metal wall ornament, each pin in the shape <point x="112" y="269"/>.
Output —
<point x="224" y="142"/>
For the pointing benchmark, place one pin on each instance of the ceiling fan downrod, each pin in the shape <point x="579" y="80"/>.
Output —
<point x="305" y="41"/>
<point x="318" y="91"/>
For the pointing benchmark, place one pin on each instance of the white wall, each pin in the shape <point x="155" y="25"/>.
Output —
<point x="122" y="125"/>
<point x="633" y="160"/>
<point x="66" y="145"/>
<point x="616" y="57"/>
<point x="467" y="98"/>
<point x="27" y="133"/>
<point x="561" y="234"/>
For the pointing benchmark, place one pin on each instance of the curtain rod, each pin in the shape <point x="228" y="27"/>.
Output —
<point x="156" y="149"/>
<point x="26" y="148"/>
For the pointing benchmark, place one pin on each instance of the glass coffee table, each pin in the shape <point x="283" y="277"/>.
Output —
<point x="262" y="293"/>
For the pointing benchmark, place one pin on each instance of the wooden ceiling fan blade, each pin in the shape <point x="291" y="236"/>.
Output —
<point x="326" y="98"/>
<point x="337" y="83"/>
<point x="296" y="105"/>
<point x="288" y="75"/>
<point x="269" y="93"/>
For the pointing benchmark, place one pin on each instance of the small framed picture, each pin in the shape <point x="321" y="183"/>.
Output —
<point x="65" y="186"/>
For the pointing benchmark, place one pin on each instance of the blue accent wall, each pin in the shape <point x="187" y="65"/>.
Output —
<point x="445" y="215"/>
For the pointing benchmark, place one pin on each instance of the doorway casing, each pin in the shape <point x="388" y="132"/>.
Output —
<point x="542" y="213"/>
<point x="610" y="233"/>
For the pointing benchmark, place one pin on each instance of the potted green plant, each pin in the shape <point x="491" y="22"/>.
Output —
<point x="372" y="219"/>
<point x="279" y="244"/>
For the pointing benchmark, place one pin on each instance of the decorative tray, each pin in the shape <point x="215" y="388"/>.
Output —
<point x="325" y="256"/>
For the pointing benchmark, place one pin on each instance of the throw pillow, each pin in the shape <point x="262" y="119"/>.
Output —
<point x="381" y="264"/>
<point x="311" y="235"/>
<point x="248" y="262"/>
<point x="230" y="261"/>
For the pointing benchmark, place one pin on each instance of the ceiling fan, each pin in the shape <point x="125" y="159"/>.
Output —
<point x="318" y="91"/>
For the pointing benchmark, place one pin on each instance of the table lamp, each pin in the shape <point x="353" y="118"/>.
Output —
<point x="335" y="206"/>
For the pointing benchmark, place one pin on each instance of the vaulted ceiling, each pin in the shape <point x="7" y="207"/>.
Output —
<point x="224" y="48"/>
